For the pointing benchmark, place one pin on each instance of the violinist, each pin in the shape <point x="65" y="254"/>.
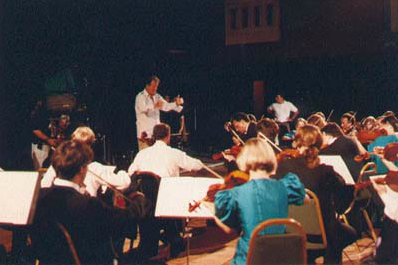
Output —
<point x="269" y="128"/>
<point x="328" y="185"/>
<point x="300" y="122"/>
<point x="369" y="131"/>
<point x="387" y="249"/>
<point x="336" y="143"/>
<point x="317" y="120"/>
<point x="390" y="125"/>
<point x="245" y="127"/>
<point x="348" y="122"/>
<point x="242" y="208"/>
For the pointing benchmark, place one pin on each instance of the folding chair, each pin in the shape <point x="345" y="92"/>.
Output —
<point x="288" y="248"/>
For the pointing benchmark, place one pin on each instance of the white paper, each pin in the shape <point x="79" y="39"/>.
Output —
<point x="175" y="194"/>
<point x="388" y="196"/>
<point x="339" y="166"/>
<point x="18" y="195"/>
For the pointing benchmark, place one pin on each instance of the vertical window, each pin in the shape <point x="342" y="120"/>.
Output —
<point x="270" y="14"/>
<point x="245" y="17"/>
<point x="257" y="16"/>
<point x="234" y="18"/>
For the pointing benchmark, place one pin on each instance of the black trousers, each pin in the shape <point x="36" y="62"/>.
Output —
<point x="387" y="252"/>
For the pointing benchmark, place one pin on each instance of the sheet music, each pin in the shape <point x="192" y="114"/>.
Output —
<point x="18" y="196"/>
<point x="339" y="166"/>
<point x="175" y="194"/>
<point x="388" y="196"/>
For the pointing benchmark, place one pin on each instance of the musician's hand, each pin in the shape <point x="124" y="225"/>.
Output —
<point x="380" y="188"/>
<point x="235" y="140"/>
<point x="378" y="151"/>
<point x="229" y="158"/>
<point x="158" y="104"/>
<point x="227" y="125"/>
<point x="179" y="100"/>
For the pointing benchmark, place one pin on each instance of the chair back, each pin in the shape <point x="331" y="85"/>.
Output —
<point x="288" y="248"/>
<point x="52" y="244"/>
<point x="309" y="215"/>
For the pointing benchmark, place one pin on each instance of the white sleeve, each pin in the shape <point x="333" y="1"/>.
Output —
<point x="119" y="181"/>
<point x="167" y="106"/>
<point x="48" y="178"/>
<point x="292" y="107"/>
<point x="134" y="166"/>
<point x="188" y="163"/>
<point x="140" y="106"/>
<point x="271" y="108"/>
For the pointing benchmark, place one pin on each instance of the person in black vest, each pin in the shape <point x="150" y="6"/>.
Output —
<point x="243" y="126"/>
<point x="89" y="221"/>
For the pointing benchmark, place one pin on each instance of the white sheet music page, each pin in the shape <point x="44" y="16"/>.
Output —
<point x="388" y="196"/>
<point x="339" y="166"/>
<point x="175" y="194"/>
<point x="18" y="196"/>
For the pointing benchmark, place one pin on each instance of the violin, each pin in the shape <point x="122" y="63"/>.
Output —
<point x="233" y="179"/>
<point x="390" y="153"/>
<point x="234" y="151"/>
<point x="391" y="180"/>
<point x="287" y="154"/>
<point x="367" y="137"/>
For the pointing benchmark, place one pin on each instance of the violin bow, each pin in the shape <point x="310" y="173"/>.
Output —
<point x="212" y="172"/>
<point x="235" y="133"/>
<point x="330" y="115"/>
<point x="269" y="141"/>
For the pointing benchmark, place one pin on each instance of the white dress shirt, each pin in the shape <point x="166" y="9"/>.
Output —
<point x="282" y="110"/>
<point x="120" y="181"/>
<point x="163" y="160"/>
<point x="146" y="113"/>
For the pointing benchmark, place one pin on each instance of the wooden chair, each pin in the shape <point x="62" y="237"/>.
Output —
<point x="288" y="248"/>
<point x="52" y="244"/>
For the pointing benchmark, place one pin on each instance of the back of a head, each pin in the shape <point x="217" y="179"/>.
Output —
<point x="240" y="116"/>
<point x="257" y="155"/>
<point x="317" y="120"/>
<point x="268" y="127"/>
<point x="161" y="131"/>
<point x="69" y="158"/>
<point x="84" y="135"/>
<point x="332" y="129"/>
<point x="309" y="136"/>
<point x="350" y="117"/>
<point x="392" y="120"/>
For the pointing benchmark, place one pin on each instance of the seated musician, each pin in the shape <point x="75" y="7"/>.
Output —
<point x="89" y="221"/>
<point x="387" y="248"/>
<point x="336" y="143"/>
<point x="92" y="183"/>
<point x="328" y="185"/>
<point x="390" y="125"/>
<point x="242" y="208"/>
<point x="269" y="128"/>
<point x="244" y="126"/>
<point x="300" y="122"/>
<point x="164" y="161"/>
<point x="317" y="120"/>
<point x="161" y="159"/>
<point x="348" y="122"/>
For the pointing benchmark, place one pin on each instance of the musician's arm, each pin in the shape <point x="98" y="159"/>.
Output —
<point x="360" y="147"/>
<point x="39" y="134"/>
<point x="140" y="105"/>
<point x="167" y="106"/>
<point x="294" y="115"/>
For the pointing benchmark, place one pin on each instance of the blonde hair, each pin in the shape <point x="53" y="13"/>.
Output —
<point x="84" y="135"/>
<point x="257" y="155"/>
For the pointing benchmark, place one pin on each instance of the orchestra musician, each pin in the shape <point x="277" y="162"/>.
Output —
<point x="328" y="185"/>
<point x="90" y="222"/>
<point x="164" y="161"/>
<point x="269" y="128"/>
<point x="92" y="183"/>
<point x="242" y="208"/>
<point x="387" y="248"/>
<point x="148" y="104"/>
<point x="348" y="122"/>
<point x="317" y="120"/>
<point x="244" y="126"/>
<point x="336" y="143"/>
<point x="390" y="125"/>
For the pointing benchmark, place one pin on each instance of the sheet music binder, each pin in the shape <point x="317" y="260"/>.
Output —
<point x="175" y="194"/>
<point x="339" y="166"/>
<point x="18" y="196"/>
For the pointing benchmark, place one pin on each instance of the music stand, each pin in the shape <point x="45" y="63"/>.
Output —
<point x="174" y="196"/>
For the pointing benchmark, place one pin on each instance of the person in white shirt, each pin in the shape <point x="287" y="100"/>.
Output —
<point x="92" y="183"/>
<point x="162" y="159"/>
<point x="148" y="104"/>
<point x="285" y="113"/>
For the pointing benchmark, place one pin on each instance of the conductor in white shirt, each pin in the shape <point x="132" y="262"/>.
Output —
<point x="162" y="159"/>
<point x="148" y="104"/>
